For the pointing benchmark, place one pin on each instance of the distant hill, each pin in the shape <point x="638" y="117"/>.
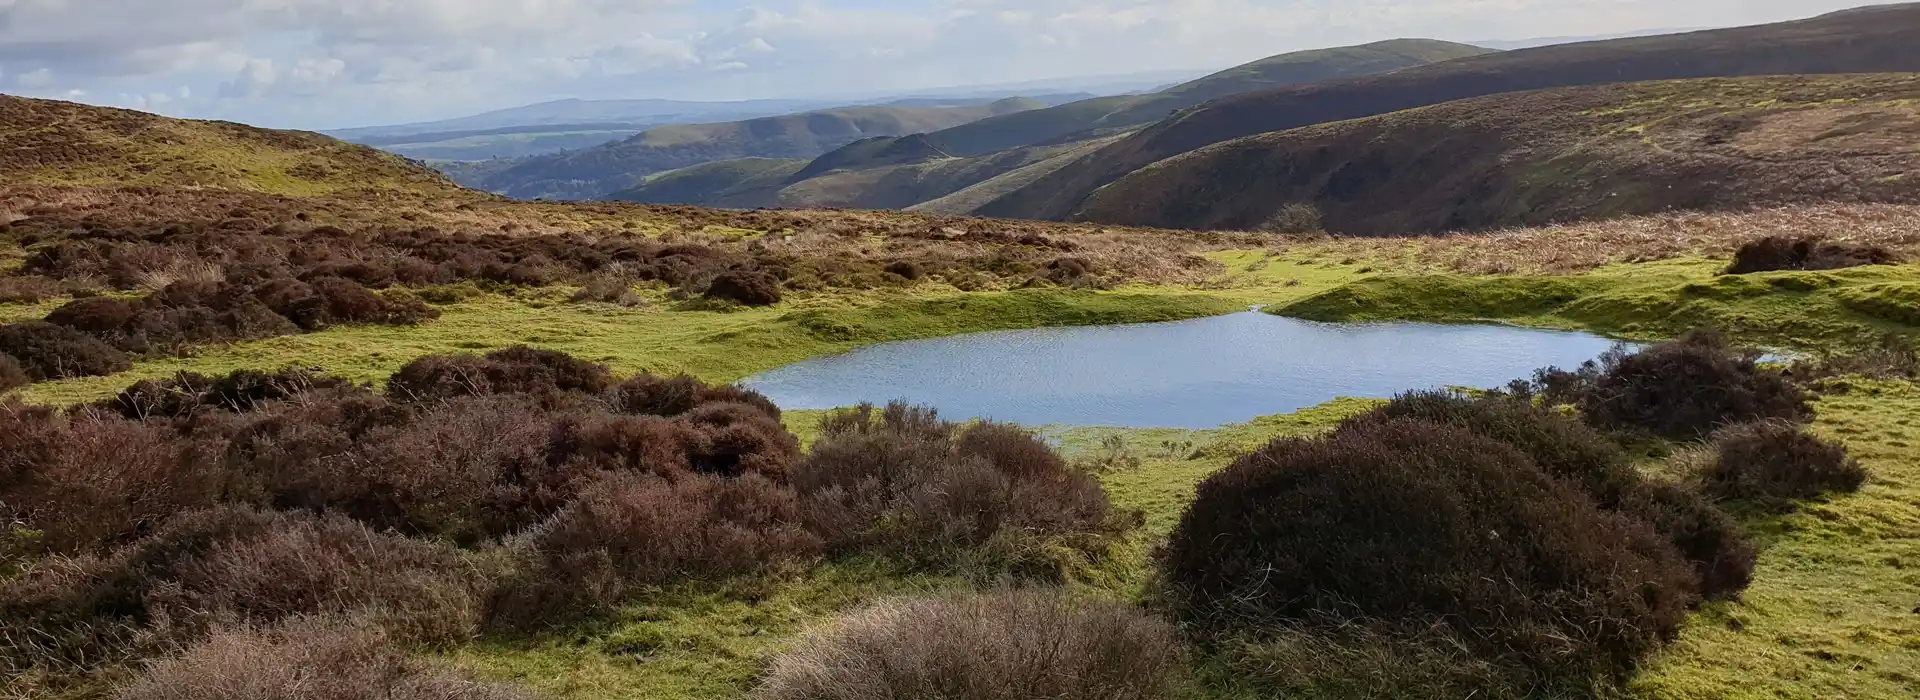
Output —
<point x="1880" y="39"/>
<point x="572" y="112"/>
<point x="1552" y="156"/>
<point x="65" y="144"/>
<point x="1028" y="128"/>
<point x="745" y="183"/>
<point x="595" y="172"/>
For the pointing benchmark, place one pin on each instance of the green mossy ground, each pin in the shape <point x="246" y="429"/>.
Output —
<point x="1831" y="613"/>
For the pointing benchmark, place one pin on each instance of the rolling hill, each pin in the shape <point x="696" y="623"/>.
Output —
<point x="1870" y="40"/>
<point x="594" y="172"/>
<point x="1550" y="157"/>
<point x="55" y="143"/>
<point x="1037" y="126"/>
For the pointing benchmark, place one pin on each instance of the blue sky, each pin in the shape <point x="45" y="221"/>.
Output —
<point x="336" y="63"/>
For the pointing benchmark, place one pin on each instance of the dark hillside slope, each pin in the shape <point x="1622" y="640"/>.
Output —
<point x="1043" y="125"/>
<point x="592" y="172"/>
<point x="1550" y="157"/>
<point x="1875" y="40"/>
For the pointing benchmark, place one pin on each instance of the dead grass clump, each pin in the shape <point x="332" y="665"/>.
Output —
<point x="48" y="352"/>
<point x="1775" y="253"/>
<point x="1778" y="460"/>
<point x="309" y="659"/>
<point x="1007" y="645"/>
<point x="608" y="289"/>
<point x="631" y="530"/>
<point x="935" y="493"/>
<point x="1411" y="523"/>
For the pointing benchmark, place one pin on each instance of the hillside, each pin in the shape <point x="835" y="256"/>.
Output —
<point x="64" y="144"/>
<point x="744" y="183"/>
<point x="1873" y="40"/>
<point x="1551" y="156"/>
<point x="594" y="172"/>
<point x="1001" y="133"/>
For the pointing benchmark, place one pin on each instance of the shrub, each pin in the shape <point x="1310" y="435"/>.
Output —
<point x="1411" y="523"/>
<point x="1375" y="661"/>
<point x="188" y="393"/>
<point x="1808" y="253"/>
<point x="231" y="566"/>
<point x="569" y="374"/>
<point x="937" y="494"/>
<point x="89" y="481"/>
<point x="608" y="289"/>
<point x="906" y="269"/>
<point x="304" y="660"/>
<point x="630" y="530"/>
<point x="1295" y="217"/>
<point x="348" y="302"/>
<point x="649" y="395"/>
<point x="1007" y="645"/>
<point x="48" y="352"/>
<point x="1682" y="389"/>
<point x="732" y="439"/>
<point x="517" y="370"/>
<point x="12" y="375"/>
<point x="748" y="287"/>
<point x="1567" y="449"/>
<point x="1778" y="459"/>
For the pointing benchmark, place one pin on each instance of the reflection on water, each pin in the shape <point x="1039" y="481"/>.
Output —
<point x="1188" y="374"/>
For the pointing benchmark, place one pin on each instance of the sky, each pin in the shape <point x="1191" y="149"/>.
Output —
<point x="314" y="64"/>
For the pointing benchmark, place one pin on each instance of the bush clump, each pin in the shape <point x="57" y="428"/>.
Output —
<point x="515" y="370"/>
<point x="630" y="530"/>
<point x="1007" y="645"/>
<point x="1778" y="460"/>
<point x="310" y="659"/>
<point x="1681" y="389"/>
<point x="1411" y="523"/>
<point x="903" y="481"/>
<point x="650" y="395"/>
<point x="12" y="375"/>
<point x="89" y="481"/>
<point x="47" y="352"/>
<point x="190" y="393"/>
<point x="1775" y="253"/>
<point x="1567" y="449"/>
<point x="747" y="287"/>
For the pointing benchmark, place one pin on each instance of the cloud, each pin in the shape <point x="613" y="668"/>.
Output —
<point x="323" y="63"/>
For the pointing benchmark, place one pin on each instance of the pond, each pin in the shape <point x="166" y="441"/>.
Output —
<point x="1188" y="374"/>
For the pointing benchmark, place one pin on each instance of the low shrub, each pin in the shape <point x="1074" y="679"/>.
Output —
<point x="1374" y="661"/>
<point x="86" y="482"/>
<point x="231" y="566"/>
<point x="1807" y="253"/>
<point x="607" y="289"/>
<point x="1681" y="389"/>
<point x="1778" y="460"/>
<point x="747" y="287"/>
<point x="1411" y="523"/>
<point x="310" y="659"/>
<point x="1007" y="645"/>
<point x="48" y="352"/>
<point x="12" y="375"/>
<point x="630" y="530"/>
<point x="1720" y="550"/>
<point x="650" y="395"/>
<point x="936" y="493"/>
<point x="906" y="269"/>
<point x="516" y="370"/>
<point x="188" y="393"/>
<point x="346" y="302"/>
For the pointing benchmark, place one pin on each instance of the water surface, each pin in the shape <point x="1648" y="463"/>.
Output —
<point x="1187" y="374"/>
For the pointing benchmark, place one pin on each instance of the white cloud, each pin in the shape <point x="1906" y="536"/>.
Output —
<point x="320" y="63"/>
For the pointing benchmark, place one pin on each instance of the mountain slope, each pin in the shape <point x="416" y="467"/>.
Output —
<point x="1000" y="133"/>
<point x="1550" y="157"/>
<point x="66" y="144"/>
<point x="1870" y="40"/>
<point x="596" y="171"/>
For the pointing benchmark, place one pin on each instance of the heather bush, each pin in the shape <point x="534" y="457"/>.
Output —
<point x="1778" y="460"/>
<point x="651" y="395"/>
<point x="732" y="439"/>
<point x="746" y="286"/>
<point x="1006" y="645"/>
<point x="47" y="352"/>
<point x="346" y="302"/>
<point x="12" y="375"/>
<point x="630" y="530"/>
<point x="936" y="493"/>
<point x="516" y="370"/>
<point x="89" y="481"/>
<point x="1567" y="449"/>
<point x="1682" y="389"/>
<point x="1411" y="523"/>
<point x="231" y="566"/>
<point x="187" y="393"/>
<point x="308" y="659"/>
<point x="1809" y="253"/>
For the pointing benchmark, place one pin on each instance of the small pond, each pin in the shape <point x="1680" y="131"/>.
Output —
<point x="1189" y="374"/>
